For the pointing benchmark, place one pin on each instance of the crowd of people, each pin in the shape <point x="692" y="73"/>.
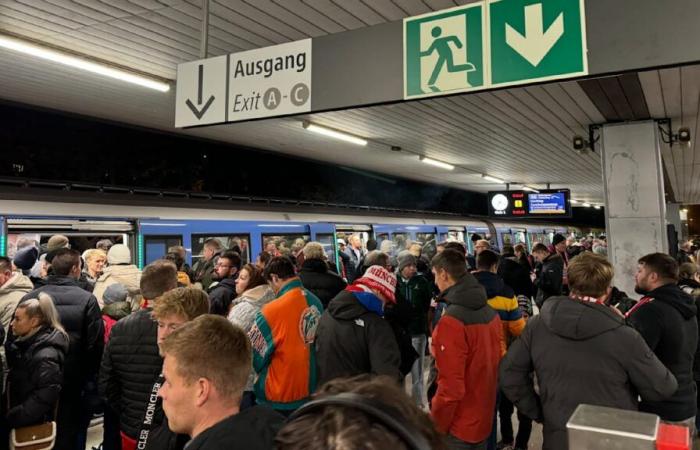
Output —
<point x="295" y="352"/>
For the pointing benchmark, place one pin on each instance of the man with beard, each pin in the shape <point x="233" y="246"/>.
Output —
<point x="666" y="319"/>
<point x="222" y="293"/>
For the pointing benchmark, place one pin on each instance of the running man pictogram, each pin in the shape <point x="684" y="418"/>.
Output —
<point x="441" y="45"/>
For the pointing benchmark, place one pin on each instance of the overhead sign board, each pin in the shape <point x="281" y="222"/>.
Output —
<point x="201" y="92"/>
<point x="267" y="82"/>
<point x="271" y="81"/>
<point x="445" y="52"/>
<point x="493" y="43"/>
<point x="526" y="204"/>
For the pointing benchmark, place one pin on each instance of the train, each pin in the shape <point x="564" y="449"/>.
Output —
<point x="149" y="227"/>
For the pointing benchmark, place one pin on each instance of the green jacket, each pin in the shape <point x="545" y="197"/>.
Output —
<point x="413" y="298"/>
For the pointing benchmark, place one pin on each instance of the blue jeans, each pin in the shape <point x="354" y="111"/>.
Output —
<point x="419" y="342"/>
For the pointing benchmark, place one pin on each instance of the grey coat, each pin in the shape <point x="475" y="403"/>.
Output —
<point x="245" y="309"/>
<point x="580" y="353"/>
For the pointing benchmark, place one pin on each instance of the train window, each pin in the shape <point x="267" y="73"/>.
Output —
<point x="227" y="241"/>
<point x="401" y="242"/>
<point x="77" y="241"/>
<point x="157" y="247"/>
<point x="326" y="239"/>
<point x="428" y="244"/>
<point x="381" y="238"/>
<point x="286" y="244"/>
<point x="452" y="236"/>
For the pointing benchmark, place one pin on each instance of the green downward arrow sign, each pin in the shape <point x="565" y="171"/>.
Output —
<point x="535" y="40"/>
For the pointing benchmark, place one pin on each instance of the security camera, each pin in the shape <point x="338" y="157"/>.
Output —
<point x="684" y="135"/>
<point x="579" y="144"/>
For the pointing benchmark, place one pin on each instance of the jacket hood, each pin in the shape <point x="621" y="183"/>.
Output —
<point x="577" y="320"/>
<point x="494" y="285"/>
<point x="554" y="258"/>
<point x="126" y="274"/>
<point x="314" y="265"/>
<point x="467" y="292"/>
<point x="46" y="337"/>
<point x="258" y="295"/>
<point x="18" y="282"/>
<point x="117" y="310"/>
<point x="61" y="281"/>
<point x="672" y="295"/>
<point x="345" y="306"/>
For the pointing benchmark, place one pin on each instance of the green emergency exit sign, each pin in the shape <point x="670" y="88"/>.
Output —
<point x="493" y="43"/>
<point x="536" y="40"/>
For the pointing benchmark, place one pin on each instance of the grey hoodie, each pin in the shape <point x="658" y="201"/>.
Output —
<point x="581" y="353"/>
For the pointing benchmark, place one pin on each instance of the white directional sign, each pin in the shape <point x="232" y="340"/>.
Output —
<point x="267" y="82"/>
<point x="201" y="92"/>
<point x="270" y="81"/>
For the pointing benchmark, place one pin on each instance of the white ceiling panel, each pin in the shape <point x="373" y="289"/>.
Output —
<point x="522" y="135"/>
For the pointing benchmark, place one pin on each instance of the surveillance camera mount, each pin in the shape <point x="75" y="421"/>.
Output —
<point x="668" y="136"/>
<point x="590" y="143"/>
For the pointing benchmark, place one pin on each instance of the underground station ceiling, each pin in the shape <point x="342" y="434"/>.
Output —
<point x="521" y="135"/>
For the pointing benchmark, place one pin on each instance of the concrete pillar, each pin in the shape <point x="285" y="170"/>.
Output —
<point x="635" y="210"/>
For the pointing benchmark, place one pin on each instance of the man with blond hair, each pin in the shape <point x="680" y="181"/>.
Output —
<point x="581" y="351"/>
<point x="206" y="366"/>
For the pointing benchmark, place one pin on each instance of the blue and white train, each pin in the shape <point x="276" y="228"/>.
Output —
<point x="149" y="230"/>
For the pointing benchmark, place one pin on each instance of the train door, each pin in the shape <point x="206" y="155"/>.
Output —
<point x="549" y="236"/>
<point x="156" y="247"/>
<point x="427" y="238"/>
<point x="82" y="234"/>
<point x="324" y="234"/>
<point x="344" y="231"/>
<point x="519" y="236"/>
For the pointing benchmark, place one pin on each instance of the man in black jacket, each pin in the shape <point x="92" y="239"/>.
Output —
<point x="549" y="274"/>
<point x="352" y="337"/>
<point x="206" y="367"/>
<point x="80" y="316"/>
<point x="666" y="319"/>
<point x="514" y="274"/>
<point x="316" y="277"/>
<point x="131" y="363"/>
<point x="222" y="293"/>
<point x="581" y="351"/>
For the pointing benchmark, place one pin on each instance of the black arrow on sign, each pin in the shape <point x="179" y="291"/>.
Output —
<point x="195" y="111"/>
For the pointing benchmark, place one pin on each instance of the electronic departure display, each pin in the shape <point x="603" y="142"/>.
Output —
<point x="526" y="204"/>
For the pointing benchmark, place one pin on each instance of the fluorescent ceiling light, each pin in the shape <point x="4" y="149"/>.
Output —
<point x="334" y="133"/>
<point x="436" y="163"/>
<point x="573" y="201"/>
<point x="80" y="63"/>
<point x="493" y="179"/>
<point x="597" y="206"/>
<point x="530" y="189"/>
<point x="586" y="205"/>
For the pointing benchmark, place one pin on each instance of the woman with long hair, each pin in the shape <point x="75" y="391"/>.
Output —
<point x="253" y="293"/>
<point x="35" y="359"/>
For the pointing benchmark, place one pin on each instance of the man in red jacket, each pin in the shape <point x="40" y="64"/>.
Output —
<point x="467" y="349"/>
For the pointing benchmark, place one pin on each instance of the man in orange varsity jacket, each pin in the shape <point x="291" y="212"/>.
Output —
<point x="282" y="340"/>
